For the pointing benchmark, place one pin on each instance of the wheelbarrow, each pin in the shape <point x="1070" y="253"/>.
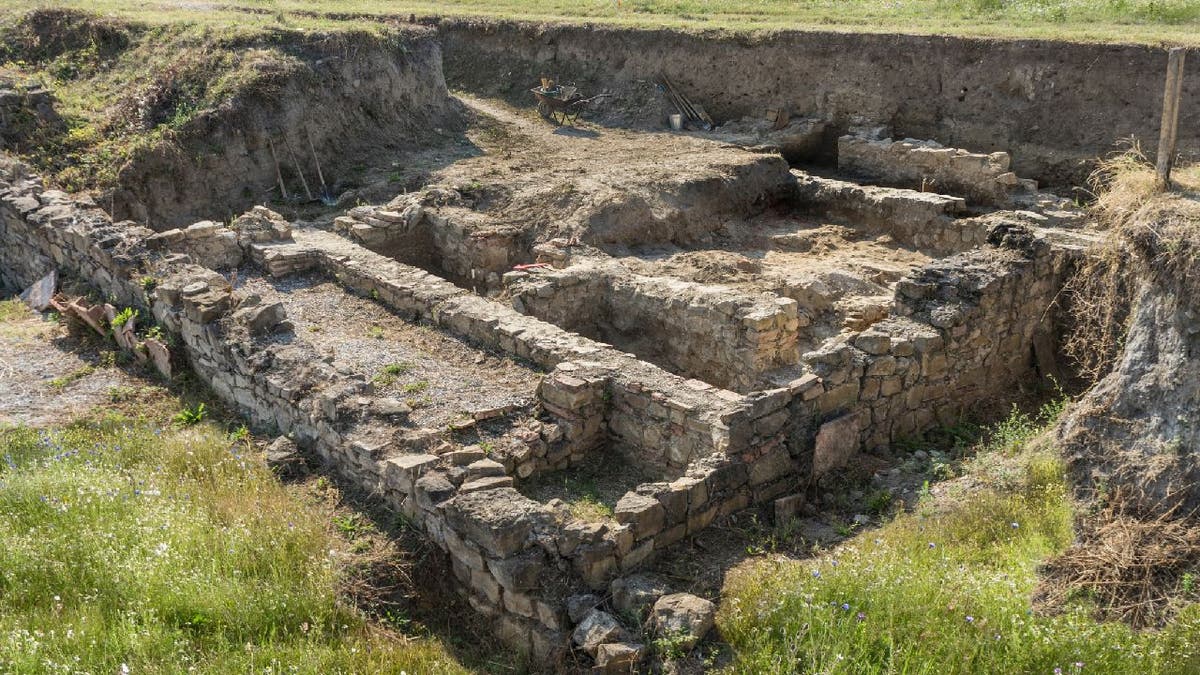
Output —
<point x="561" y="104"/>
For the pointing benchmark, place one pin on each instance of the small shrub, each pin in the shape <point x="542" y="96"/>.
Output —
<point x="191" y="416"/>
<point x="671" y="647"/>
<point x="123" y="317"/>
<point x="13" y="310"/>
<point x="880" y="502"/>
<point x="388" y="374"/>
<point x="416" y="387"/>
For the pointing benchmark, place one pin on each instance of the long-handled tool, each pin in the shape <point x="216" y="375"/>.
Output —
<point x="326" y="197"/>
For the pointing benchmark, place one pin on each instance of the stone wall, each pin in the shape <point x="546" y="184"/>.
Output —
<point x="207" y="243"/>
<point x="709" y="332"/>
<point x="964" y="331"/>
<point x="930" y="167"/>
<point x="929" y="222"/>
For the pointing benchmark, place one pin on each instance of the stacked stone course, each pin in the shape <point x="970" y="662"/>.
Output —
<point x="962" y="331"/>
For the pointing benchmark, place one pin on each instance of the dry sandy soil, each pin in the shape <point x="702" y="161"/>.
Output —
<point x="49" y="376"/>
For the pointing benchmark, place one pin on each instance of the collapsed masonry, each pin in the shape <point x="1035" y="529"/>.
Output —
<point x="729" y="393"/>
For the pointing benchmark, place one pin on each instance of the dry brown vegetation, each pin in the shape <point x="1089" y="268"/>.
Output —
<point x="1144" y="230"/>
<point x="1134" y="562"/>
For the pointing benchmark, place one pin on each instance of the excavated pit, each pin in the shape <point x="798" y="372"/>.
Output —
<point x="569" y="350"/>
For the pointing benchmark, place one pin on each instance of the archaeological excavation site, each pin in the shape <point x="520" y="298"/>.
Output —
<point x="704" y="275"/>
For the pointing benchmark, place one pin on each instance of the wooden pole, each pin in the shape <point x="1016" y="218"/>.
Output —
<point x="316" y="159"/>
<point x="300" y="172"/>
<point x="278" y="173"/>
<point x="1168" y="132"/>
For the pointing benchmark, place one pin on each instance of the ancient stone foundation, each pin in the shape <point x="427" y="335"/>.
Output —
<point x="725" y="394"/>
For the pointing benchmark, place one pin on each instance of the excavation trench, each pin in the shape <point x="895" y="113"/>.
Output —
<point x="568" y="351"/>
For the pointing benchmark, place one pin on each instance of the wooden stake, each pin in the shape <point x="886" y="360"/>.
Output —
<point x="278" y="173"/>
<point x="315" y="159"/>
<point x="1168" y="132"/>
<point x="300" y="172"/>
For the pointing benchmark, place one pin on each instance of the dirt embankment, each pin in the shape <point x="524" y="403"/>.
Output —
<point x="1053" y="105"/>
<point x="168" y="125"/>
<point x="352" y="96"/>
<point x="1135" y="436"/>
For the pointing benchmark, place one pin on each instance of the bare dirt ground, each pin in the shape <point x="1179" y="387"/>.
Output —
<point x="47" y="375"/>
<point x="565" y="181"/>
<point x="440" y="377"/>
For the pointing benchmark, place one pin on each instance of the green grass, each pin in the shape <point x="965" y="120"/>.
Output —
<point x="388" y="375"/>
<point x="946" y="589"/>
<point x="1147" y="21"/>
<point x="13" y="310"/>
<point x="127" y="544"/>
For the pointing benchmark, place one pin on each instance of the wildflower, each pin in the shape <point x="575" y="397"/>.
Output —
<point x="1058" y="671"/>
<point x="846" y="606"/>
<point x="932" y="545"/>
<point x="816" y="574"/>
<point x="1014" y="525"/>
<point x="861" y="617"/>
<point x="970" y="619"/>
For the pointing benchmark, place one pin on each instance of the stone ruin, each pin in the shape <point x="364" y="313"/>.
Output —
<point x="725" y="389"/>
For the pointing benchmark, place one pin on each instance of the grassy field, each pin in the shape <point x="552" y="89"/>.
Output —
<point x="1146" y="21"/>
<point x="946" y="588"/>
<point x="134" y="543"/>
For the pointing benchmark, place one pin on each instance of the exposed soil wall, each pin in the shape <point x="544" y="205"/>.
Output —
<point x="1135" y="434"/>
<point x="355" y="95"/>
<point x="1052" y="105"/>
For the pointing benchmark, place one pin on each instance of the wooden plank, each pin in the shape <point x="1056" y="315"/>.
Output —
<point x="1169" y="130"/>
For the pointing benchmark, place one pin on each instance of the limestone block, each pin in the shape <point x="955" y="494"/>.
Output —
<point x="432" y="490"/>
<point x="465" y="456"/>
<point x="619" y="657"/>
<point x="637" y="555"/>
<point x="788" y="508"/>
<point x="579" y="606"/>
<point x="521" y="572"/>
<point x="260" y="319"/>
<point x="486" y="483"/>
<point x="776" y="463"/>
<point x="484" y="468"/>
<point x="636" y="593"/>
<point x="597" y="628"/>
<point x="646" y="514"/>
<point x="837" y="441"/>
<point x="499" y="520"/>
<point x="685" y="617"/>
